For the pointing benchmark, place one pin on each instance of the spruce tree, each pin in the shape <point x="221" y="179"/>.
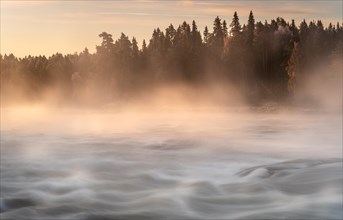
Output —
<point x="217" y="38"/>
<point x="135" y="50"/>
<point x="225" y="29"/>
<point x="206" y="36"/>
<point x="235" y="26"/>
<point x="250" y="30"/>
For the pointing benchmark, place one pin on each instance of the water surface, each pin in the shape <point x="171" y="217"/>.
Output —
<point x="197" y="165"/>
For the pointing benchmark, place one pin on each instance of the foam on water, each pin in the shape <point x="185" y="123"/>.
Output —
<point x="207" y="167"/>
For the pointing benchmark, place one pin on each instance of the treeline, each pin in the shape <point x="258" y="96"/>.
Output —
<point x="265" y="60"/>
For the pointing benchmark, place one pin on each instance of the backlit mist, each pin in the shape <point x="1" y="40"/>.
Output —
<point x="171" y="110"/>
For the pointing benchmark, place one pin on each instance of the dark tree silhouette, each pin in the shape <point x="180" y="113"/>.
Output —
<point x="265" y="60"/>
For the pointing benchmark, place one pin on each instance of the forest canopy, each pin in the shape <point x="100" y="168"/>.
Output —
<point x="261" y="60"/>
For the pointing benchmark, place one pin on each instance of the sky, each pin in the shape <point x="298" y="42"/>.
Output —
<point x="45" y="27"/>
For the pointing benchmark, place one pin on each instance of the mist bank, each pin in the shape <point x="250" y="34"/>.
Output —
<point x="315" y="96"/>
<point x="232" y="65"/>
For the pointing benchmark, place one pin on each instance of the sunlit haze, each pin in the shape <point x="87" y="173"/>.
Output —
<point x="171" y="109"/>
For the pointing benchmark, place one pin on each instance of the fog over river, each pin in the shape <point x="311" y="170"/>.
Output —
<point x="209" y="164"/>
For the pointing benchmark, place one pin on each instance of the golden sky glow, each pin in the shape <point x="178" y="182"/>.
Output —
<point x="47" y="27"/>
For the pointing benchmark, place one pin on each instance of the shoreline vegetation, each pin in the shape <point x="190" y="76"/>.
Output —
<point x="257" y="63"/>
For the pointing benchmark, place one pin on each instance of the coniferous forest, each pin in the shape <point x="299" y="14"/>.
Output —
<point x="263" y="60"/>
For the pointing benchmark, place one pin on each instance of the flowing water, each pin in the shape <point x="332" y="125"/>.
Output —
<point x="203" y="165"/>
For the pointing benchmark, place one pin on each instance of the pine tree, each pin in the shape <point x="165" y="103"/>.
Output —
<point x="225" y="29"/>
<point x="144" y="47"/>
<point x="196" y="37"/>
<point x="170" y="35"/>
<point x="135" y="50"/>
<point x="304" y="34"/>
<point x="144" y="55"/>
<point x="194" y="27"/>
<point x="217" y="37"/>
<point x="235" y="26"/>
<point x="217" y="29"/>
<point x="123" y="45"/>
<point x="295" y="31"/>
<point x="250" y="30"/>
<point x="106" y="44"/>
<point x="206" y="36"/>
